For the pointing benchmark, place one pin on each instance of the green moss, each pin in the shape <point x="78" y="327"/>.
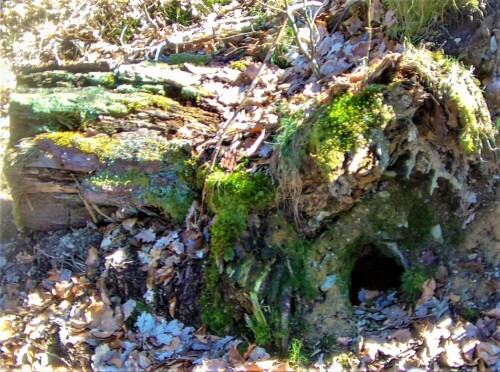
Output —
<point x="62" y="109"/>
<point x="172" y="200"/>
<point x="413" y="279"/>
<point x="415" y="18"/>
<point x="457" y="88"/>
<point x="299" y="356"/>
<point x="108" y="149"/>
<point x="215" y="310"/>
<point x="195" y="59"/>
<point x="343" y="124"/>
<point x="114" y="26"/>
<point x="108" y="180"/>
<point x="16" y="212"/>
<point x="469" y="314"/>
<point x="173" y="11"/>
<point x="232" y="197"/>
<point x="239" y="65"/>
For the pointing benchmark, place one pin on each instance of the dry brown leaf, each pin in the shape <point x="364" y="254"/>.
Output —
<point x="250" y="367"/>
<point x="211" y="365"/>
<point x="53" y="275"/>
<point x="173" y="345"/>
<point x="117" y="362"/>
<point x="6" y="330"/>
<point x="24" y="257"/>
<point x="455" y="298"/>
<point x="376" y="10"/>
<point x="78" y="323"/>
<point x="150" y="280"/>
<point x="452" y="354"/>
<point x="39" y="298"/>
<point x="62" y="290"/>
<point x="354" y="24"/>
<point x="102" y="290"/>
<point x="171" y="306"/>
<point x="144" y="361"/>
<point x="427" y="291"/>
<point x="102" y="335"/>
<point x="402" y="335"/>
<point x="249" y="351"/>
<point x="235" y="356"/>
<point x="495" y="313"/>
<point x="92" y="258"/>
<point x="488" y="352"/>
<point x="162" y="274"/>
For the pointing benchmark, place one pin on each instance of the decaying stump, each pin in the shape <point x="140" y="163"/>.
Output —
<point x="387" y="164"/>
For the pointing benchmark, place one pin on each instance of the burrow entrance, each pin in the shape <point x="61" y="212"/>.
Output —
<point x="374" y="270"/>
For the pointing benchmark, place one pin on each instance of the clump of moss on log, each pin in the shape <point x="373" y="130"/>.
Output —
<point x="451" y="81"/>
<point x="231" y="197"/>
<point x="343" y="124"/>
<point x="107" y="149"/>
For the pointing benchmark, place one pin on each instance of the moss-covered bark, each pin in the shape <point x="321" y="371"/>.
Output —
<point x="115" y="132"/>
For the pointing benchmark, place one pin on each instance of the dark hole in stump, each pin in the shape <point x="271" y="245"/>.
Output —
<point x="374" y="271"/>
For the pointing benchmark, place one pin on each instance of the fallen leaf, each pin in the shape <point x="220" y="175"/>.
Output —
<point x="92" y="257"/>
<point x="171" y="306"/>
<point x="234" y="355"/>
<point x="258" y="353"/>
<point x="117" y="362"/>
<point x="128" y="308"/>
<point x="452" y="354"/>
<point x="354" y="24"/>
<point x="249" y="351"/>
<point x="146" y="236"/>
<point x="129" y="223"/>
<point x="402" y="335"/>
<point x="427" y="291"/>
<point x="495" y="313"/>
<point x="488" y="352"/>
<point x="24" y="258"/>
<point x="455" y="298"/>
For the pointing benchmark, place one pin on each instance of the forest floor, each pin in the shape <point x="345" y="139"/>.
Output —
<point x="88" y="298"/>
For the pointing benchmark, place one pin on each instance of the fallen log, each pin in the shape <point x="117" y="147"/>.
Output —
<point x="88" y="143"/>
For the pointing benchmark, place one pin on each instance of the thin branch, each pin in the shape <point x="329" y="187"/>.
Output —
<point x="303" y="49"/>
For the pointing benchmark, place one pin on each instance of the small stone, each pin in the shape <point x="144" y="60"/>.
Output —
<point x="384" y="194"/>
<point x="472" y="256"/>
<point x="493" y="44"/>
<point x="328" y="283"/>
<point x="455" y="298"/>
<point x="437" y="234"/>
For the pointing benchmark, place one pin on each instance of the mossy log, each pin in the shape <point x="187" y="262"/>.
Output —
<point x="373" y="167"/>
<point x="85" y="143"/>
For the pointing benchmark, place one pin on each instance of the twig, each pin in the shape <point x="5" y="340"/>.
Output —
<point x="98" y="210"/>
<point x="369" y="29"/>
<point x="85" y="202"/>
<point x="303" y="49"/>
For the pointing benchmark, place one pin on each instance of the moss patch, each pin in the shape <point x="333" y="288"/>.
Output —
<point x="343" y="124"/>
<point x="195" y="59"/>
<point x="109" y="149"/>
<point x="455" y="86"/>
<point x="232" y="197"/>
